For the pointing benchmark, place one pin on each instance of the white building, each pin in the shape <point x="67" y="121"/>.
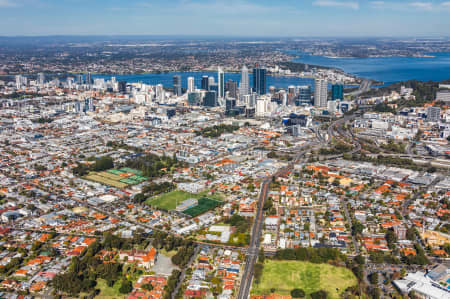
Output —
<point x="422" y="285"/>
<point x="320" y="93"/>
<point x="244" y="85"/>
<point x="191" y="84"/>
<point x="221" y="83"/>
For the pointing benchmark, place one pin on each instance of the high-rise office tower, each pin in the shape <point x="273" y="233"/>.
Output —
<point x="123" y="87"/>
<point x="304" y="96"/>
<point x="259" y="80"/>
<point x="191" y="85"/>
<point x="291" y="90"/>
<point x="18" y="81"/>
<point x="221" y="82"/>
<point x="80" y="79"/>
<point x="205" y="83"/>
<point x="244" y="85"/>
<point x="177" y="85"/>
<point x="231" y="87"/>
<point x="88" y="78"/>
<point x="211" y="81"/>
<point x="337" y="92"/>
<point x="194" y="98"/>
<point x="41" y="79"/>
<point x="210" y="99"/>
<point x="230" y="104"/>
<point x="249" y="100"/>
<point x="320" y="93"/>
<point x="160" y="94"/>
<point x="69" y="82"/>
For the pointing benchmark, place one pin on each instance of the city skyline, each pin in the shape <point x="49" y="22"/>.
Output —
<point x="217" y="18"/>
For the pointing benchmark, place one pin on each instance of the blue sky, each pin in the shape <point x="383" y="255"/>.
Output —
<point x="226" y="17"/>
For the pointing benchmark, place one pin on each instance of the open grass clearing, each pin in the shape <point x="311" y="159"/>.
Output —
<point x="284" y="276"/>
<point x="169" y="201"/>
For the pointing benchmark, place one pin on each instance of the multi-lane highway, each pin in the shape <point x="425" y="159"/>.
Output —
<point x="364" y="87"/>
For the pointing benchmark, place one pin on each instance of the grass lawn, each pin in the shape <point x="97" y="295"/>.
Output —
<point x="168" y="253"/>
<point x="284" y="276"/>
<point x="168" y="201"/>
<point x="107" y="292"/>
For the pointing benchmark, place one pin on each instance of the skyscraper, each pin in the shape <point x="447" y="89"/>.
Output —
<point x="221" y="83"/>
<point x="337" y="92"/>
<point x="41" y="78"/>
<point x="191" y="84"/>
<point x="320" y="93"/>
<point x="18" y="81"/>
<point x="304" y="95"/>
<point x="244" y="85"/>
<point x="177" y="85"/>
<point x="123" y="87"/>
<point x="88" y="78"/>
<point x="205" y="83"/>
<point x="231" y="87"/>
<point x="259" y="80"/>
<point x="80" y="79"/>
<point x="210" y="99"/>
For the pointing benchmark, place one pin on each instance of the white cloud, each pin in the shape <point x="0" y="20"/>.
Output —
<point x="7" y="3"/>
<point x="446" y="4"/>
<point x="422" y="5"/>
<point x="377" y="3"/>
<point x="335" y="3"/>
<point x="233" y="7"/>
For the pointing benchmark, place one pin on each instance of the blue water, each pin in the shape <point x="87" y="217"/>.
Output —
<point x="166" y="79"/>
<point x="388" y="69"/>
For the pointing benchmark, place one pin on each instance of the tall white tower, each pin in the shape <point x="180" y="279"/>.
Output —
<point x="244" y="85"/>
<point x="320" y="93"/>
<point x="221" y="83"/>
<point x="191" y="85"/>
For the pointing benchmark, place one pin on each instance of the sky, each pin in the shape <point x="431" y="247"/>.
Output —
<point x="252" y="18"/>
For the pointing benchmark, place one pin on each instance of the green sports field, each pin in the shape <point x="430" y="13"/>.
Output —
<point x="113" y="177"/>
<point x="283" y="276"/>
<point x="204" y="205"/>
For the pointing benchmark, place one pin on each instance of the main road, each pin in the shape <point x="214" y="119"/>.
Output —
<point x="252" y="252"/>
<point x="253" y="249"/>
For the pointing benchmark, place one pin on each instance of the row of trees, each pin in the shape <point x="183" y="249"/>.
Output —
<point x="216" y="131"/>
<point x="387" y="160"/>
<point x="171" y="284"/>
<point x="104" y="163"/>
<point x="338" y="148"/>
<point x="183" y="255"/>
<point x="153" y="165"/>
<point x="153" y="189"/>
<point x="313" y="255"/>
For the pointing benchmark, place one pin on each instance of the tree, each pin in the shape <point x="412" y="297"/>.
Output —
<point x="148" y="287"/>
<point x="103" y="163"/>
<point x="373" y="278"/>
<point x="360" y="259"/>
<point x="319" y="295"/>
<point x="391" y="238"/>
<point x="298" y="293"/>
<point x="258" y="270"/>
<point x="126" y="286"/>
<point x="261" y="256"/>
<point x="268" y="204"/>
<point x="357" y="228"/>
